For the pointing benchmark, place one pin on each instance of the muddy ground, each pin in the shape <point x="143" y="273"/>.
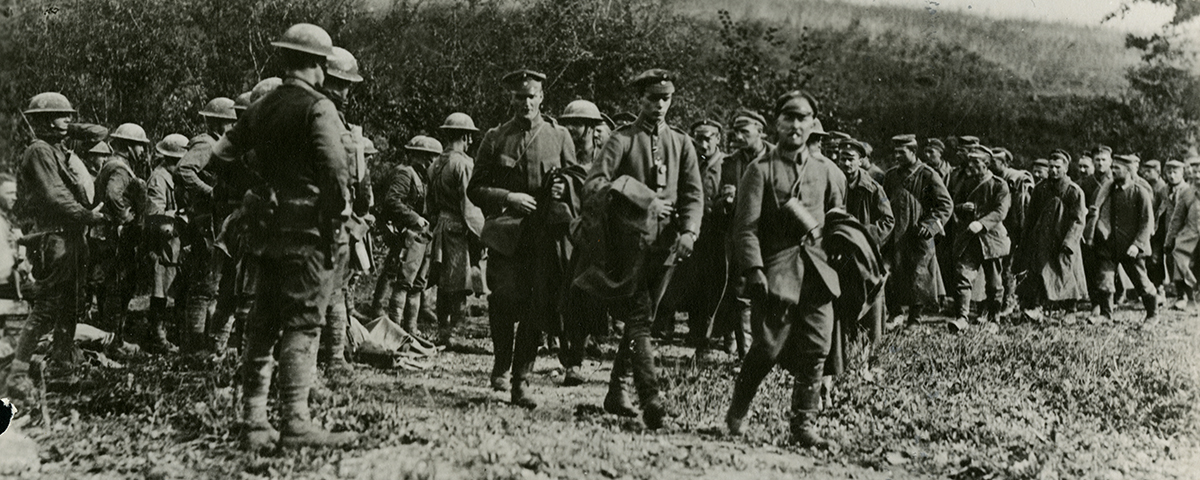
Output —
<point x="1043" y="401"/>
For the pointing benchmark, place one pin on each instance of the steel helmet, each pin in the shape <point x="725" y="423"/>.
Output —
<point x="101" y="148"/>
<point x="219" y="107"/>
<point x="421" y="143"/>
<point x="306" y="38"/>
<point x="242" y="102"/>
<point x="459" y="121"/>
<point x="131" y="132"/>
<point x="581" y="110"/>
<point x="49" y="102"/>
<point x="266" y="86"/>
<point x="343" y="65"/>
<point x="173" y="145"/>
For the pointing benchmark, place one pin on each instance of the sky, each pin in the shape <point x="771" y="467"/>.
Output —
<point x="1142" y="18"/>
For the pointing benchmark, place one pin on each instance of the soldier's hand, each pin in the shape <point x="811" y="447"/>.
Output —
<point x="924" y="231"/>
<point x="558" y="189"/>
<point x="756" y="283"/>
<point x="521" y="201"/>
<point x="684" y="245"/>
<point x="1132" y="251"/>
<point x="975" y="227"/>
<point x="422" y="223"/>
<point x="664" y="208"/>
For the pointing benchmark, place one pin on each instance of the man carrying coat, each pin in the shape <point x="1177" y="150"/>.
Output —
<point x="981" y="203"/>
<point x="777" y="246"/>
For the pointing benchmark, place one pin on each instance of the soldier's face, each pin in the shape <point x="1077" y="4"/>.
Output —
<point x="601" y="134"/>
<point x="1058" y="168"/>
<point x="655" y="105"/>
<point x="527" y="101"/>
<point x="706" y="141"/>
<point x="1149" y="173"/>
<point x="580" y="132"/>
<point x="58" y="125"/>
<point x="796" y="123"/>
<point x="1039" y="173"/>
<point x="1085" y="167"/>
<point x="1174" y="175"/>
<point x="8" y="195"/>
<point x="1193" y="171"/>
<point x="849" y="160"/>
<point x="904" y="155"/>
<point x="932" y="156"/>
<point x="976" y="165"/>
<point x="1120" y="172"/>
<point x="746" y="136"/>
<point x="1103" y="162"/>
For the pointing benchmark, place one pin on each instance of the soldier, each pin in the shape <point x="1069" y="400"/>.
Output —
<point x="122" y="198"/>
<point x="581" y="118"/>
<point x="55" y="205"/>
<point x="296" y="136"/>
<point x="922" y="207"/>
<point x="1183" y="234"/>
<point x="1118" y="227"/>
<point x="1020" y="188"/>
<point x="1173" y="175"/>
<point x="514" y="159"/>
<point x="865" y="199"/>
<point x="781" y="208"/>
<point x="931" y="154"/>
<point x="749" y="145"/>
<point x="701" y="280"/>
<point x="1083" y="167"/>
<point x="1102" y="173"/>
<point x="161" y="237"/>
<point x="402" y="213"/>
<point x="201" y="269"/>
<point x="1039" y="170"/>
<point x="96" y="157"/>
<point x="457" y="222"/>
<point x="1156" y="267"/>
<point x="981" y="203"/>
<point x="657" y="166"/>
<point x="1049" y="255"/>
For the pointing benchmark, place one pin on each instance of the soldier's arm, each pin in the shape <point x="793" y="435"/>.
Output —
<point x="332" y="175"/>
<point x="1178" y="217"/>
<point x="43" y="167"/>
<point x="940" y="205"/>
<point x="193" y="162"/>
<point x="471" y="213"/>
<point x="1145" y="219"/>
<point x="884" y="219"/>
<point x="689" y="201"/>
<point x="394" y="205"/>
<point x="744" y="242"/>
<point x="835" y="193"/>
<point x="1000" y="207"/>
<point x="482" y="189"/>
<point x="1075" y="215"/>
<point x="118" y="193"/>
<point x="156" y="195"/>
<point x="601" y="173"/>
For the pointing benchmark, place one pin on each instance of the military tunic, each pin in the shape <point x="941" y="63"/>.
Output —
<point x="919" y="198"/>
<point x="973" y="252"/>
<point x="1183" y="235"/>
<point x="164" y="252"/>
<point x="123" y="197"/>
<point x="401" y="207"/>
<point x="456" y="221"/>
<point x="1122" y="217"/>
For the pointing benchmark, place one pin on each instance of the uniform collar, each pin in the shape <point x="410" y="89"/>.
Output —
<point x="528" y="124"/>
<point x="299" y="83"/>
<point x="648" y="126"/>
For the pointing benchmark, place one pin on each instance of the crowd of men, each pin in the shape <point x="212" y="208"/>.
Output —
<point x="794" y="253"/>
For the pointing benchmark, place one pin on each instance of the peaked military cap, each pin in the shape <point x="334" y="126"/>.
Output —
<point x="1194" y="161"/>
<point x="655" y="80"/>
<point x="1155" y="164"/>
<point x="1001" y="152"/>
<point x="608" y="121"/>
<point x="746" y="116"/>
<point x="1041" y="162"/>
<point x="518" y="77"/>
<point x="787" y="102"/>
<point x="906" y="140"/>
<point x="967" y="140"/>
<point x="707" y="124"/>
<point x="863" y="148"/>
<point x="1102" y="149"/>
<point x="935" y="143"/>
<point x="624" y="118"/>
<point x="836" y="135"/>
<point x="1058" y="152"/>
<point x="979" y="151"/>
<point x="1127" y="160"/>
<point x="1174" y="164"/>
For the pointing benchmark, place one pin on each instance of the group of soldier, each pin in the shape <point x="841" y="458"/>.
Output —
<point x="791" y="253"/>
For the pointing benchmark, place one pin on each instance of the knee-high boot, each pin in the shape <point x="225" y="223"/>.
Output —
<point x="395" y="310"/>
<point x="755" y="367"/>
<point x="257" y="433"/>
<point x="503" y="332"/>
<point x="806" y="395"/>
<point x="617" y="401"/>
<point x="412" y="308"/>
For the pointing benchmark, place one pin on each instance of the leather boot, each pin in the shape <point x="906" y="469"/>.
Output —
<point x="451" y="313"/>
<point x="297" y="367"/>
<point x="158" y="343"/>
<point x="257" y="432"/>
<point x="383" y="290"/>
<point x="1105" y="305"/>
<point x="333" y="338"/>
<point x="739" y="406"/>
<point x="503" y="333"/>
<point x="520" y="397"/>
<point x="805" y="396"/>
<point x="962" y="305"/>
<point x="645" y="378"/>
<point x="1150" y="302"/>
<point x="617" y="401"/>
<point x="195" y="320"/>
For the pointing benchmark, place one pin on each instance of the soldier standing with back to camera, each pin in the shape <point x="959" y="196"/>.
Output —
<point x="161" y="237"/>
<point x="295" y="134"/>
<point x="510" y="176"/>
<point x="54" y="203"/>
<point x="776" y="242"/>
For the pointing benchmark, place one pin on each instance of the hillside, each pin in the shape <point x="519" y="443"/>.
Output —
<point x="1057" y="58"/>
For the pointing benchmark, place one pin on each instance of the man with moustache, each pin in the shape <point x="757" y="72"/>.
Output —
<point x="1050" y="255"/>
<point x="1118" y="227"/>
<point x="981" y="203"/>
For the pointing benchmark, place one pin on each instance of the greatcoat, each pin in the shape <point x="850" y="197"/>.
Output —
<point x="1049" y="251"/>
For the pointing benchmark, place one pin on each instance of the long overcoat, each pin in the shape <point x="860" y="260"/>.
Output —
<point x="991" y="201"/>
<point x="918" y="197"/>
<point x="1184" y="233"/>
<point x="1049" y="251"/>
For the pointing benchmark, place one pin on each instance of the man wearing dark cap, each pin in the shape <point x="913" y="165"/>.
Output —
<point x="922" y="207"/>
<point x="749" y="145"/>
<point x="510" y="184"/>
<point x="1156" y="268"/>
<point x="1020" y="188"/>
<point x="931" y="154"/>
<point x="1081" y="168"/>
<point x="1183" y="234"/>
<point x="1049" y="255"/>
<point x="1039" y="170"/>
<point x="981" y="203"/>
<point x="776" y="246"/>
<point x="701" y="280"/>
<point x="652" y="157"/>
<point x="865" y="199"/>
<point x="832" y="143"/>
<point x="1118" y="227"/>
<point x="1101" y="174"/>
<point x="869" y="166"/>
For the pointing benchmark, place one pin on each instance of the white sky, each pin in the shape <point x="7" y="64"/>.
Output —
<point x="1142" y="17"/>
